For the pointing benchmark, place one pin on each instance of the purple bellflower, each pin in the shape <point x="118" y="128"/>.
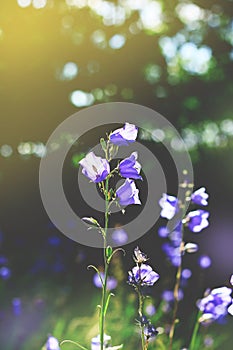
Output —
<point x="128" y="193"/>
<point x="96" y="344"/>
<point x="169" y="205"/>
<point x="125" y="135"/>
<point x="197" y="220"/>
<point x="130" y="168"/>
<point x="142" y="275"/>
<point x="95" y="168"/>
<point x="200" y="196"/>
<point x="215" y="305"/>
<point x="52" y="343"/>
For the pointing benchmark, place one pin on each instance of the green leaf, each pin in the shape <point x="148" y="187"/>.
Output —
<point x="103" y="144"/>
<point x="108" y="251"/>
<point x="107" y="302"/>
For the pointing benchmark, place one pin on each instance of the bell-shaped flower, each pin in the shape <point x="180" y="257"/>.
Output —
<point x="169" y="205"/>
<point x="128" y="193"/>
<point x="95" y="168"/>
<point x="125" y="135"/>
<point x="52" y="343"/>
<point x="200" y="196"/>
<point x="142" y="275"/>
<point x="96" y="343"/>
<point x="215" y="305"/>
<point x="197" y="220"/>
<point x="130" y="168"/>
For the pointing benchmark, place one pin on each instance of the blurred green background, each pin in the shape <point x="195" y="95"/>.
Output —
<point x="57" y="57"/>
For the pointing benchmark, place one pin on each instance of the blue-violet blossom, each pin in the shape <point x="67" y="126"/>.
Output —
<point x="197" y="220"/>
<point x="200" y="196"/>
<point x="125" y="135"/>
<point x="142" y="275"/>
<point x="215" y="305"/>
<point x="95" y="168"/>
<point x="169" y="205"/>
<point x="52" y="344"/>
<point x="128" y="193"/>
<point x="130" y="168"/>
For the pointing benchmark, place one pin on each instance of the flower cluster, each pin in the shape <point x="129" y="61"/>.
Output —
<point x="97" y="169"/>
<point x="195" y="220"/>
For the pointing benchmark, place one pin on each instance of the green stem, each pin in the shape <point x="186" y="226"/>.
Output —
<point x="104" y="288"/>
<point x="140" y="309"/>
<point x="176" y="297"/>
<point x="195" y="331"/>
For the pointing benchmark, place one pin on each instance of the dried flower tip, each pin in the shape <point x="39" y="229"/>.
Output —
<point x="140" y="257"/>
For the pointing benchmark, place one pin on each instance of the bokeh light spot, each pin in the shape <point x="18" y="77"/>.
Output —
<point x="24" y="3"/>
<point x="117" y="41"/>
<point x="80" y="98"/>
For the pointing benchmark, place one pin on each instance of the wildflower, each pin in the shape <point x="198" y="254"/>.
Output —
<point x="173" y="253"/>
<point x="128" y="193"/>
<point x="215" y="304"/>
<point x="191" y="247"/>
<point x="150" y="331"/>
<point x="130" y="168"/>
<point x="125" y="135"/>
<point x="197" y="220"/>
<point x="143" y="275"/>
<point x="52" y="343"/>
<point x="111" y="281"/>
<point x="169" y="205"/>
<point x="200" y="196"/>
<point x="95" y="168"/>
<point x="96" y="344"/>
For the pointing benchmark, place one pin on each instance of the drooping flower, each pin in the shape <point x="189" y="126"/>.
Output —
<point x="173" y="253"/>
<point x="197" y="220"/>
<point x="130" y="168"/>
<point x="52" y="343"/>
<point x="125" y="135"/>
<point x="95" y="168"/>
<point x="142" y="275"/>
<point x="215" y="304"/>
<point x="169" y="205"/>
<point x="111" y="281"/>
<point x="150" y="331"/>
<point x="128" y="193"/>
<point x="96" y="343"/>
<point x="200" y="196"/>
